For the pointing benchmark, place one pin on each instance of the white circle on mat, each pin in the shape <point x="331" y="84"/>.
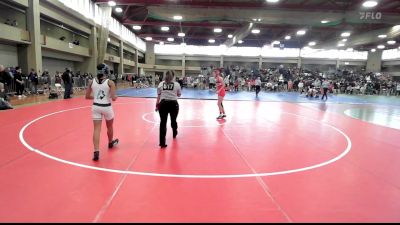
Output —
<point x="192" y="176"/>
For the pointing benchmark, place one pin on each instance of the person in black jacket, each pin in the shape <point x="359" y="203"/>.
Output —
<point x="67" y="79"/>
<point x="2" y="81"/>
<point x="19" y="83"/>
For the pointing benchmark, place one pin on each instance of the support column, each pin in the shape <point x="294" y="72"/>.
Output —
<point x="150" y="59"/>
<point x="121" y="56"/>
<point x="260" y="62"/>
<point x="374" y="61"/>
<point x="90" y="63"/>
<point x="299" y="61"/>
<point x="337" y="64"/>
<point x="183" y="65"/>
<point x="137" y="62"/>
<point x="34" y="50"/>
<point x="221" y="61"/>
<point x="150" y="56"/>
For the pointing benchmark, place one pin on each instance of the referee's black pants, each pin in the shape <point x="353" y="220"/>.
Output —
<point x="168" y="107"/>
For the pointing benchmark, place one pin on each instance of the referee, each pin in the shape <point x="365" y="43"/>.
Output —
<point x="167" y="103"/>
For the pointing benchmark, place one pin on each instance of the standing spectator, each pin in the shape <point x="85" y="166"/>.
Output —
<point x="2" y="82"/>
<point x="211" y="82"/>
<point x="290" y="85"/>
<point x="67" y="79"/>
<point x="301" y="86"/>
<point x="34" y="80"/>
<point x="325" y="86"/>
<point x="236" y="84"/>
<point x="57" y="79"/>
<point x="19" y="82"/>
<point x="180" y="81"/>
<point x="113" y="77"/>
<point x="398" y="89"/>
<point x="258" y="85"/>
<point x="46" y="78"/>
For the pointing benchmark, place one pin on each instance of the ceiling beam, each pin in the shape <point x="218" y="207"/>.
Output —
<point x="240" y="34"/>
<point x="365" y="38"/>
<point x="154" y="35"/>
<point x="183" y="24"/>
<point x="323" y="6"/>
<point x="213" y="4"/>
<point x="124" y="16"/>
<point x="233" y="25"/>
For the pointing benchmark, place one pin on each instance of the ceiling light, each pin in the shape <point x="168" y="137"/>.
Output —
<point x="161" y="43"/>
<point x="149" y="38"/>
<point x="272" y="1"/>
<point x="397" y="27"/>
<point x="312" y="43"/>
<point x="346" y="63"/>
<point x="345" y="34"/>
<point x="109" y="39"/>
<point x="370" y="4"/>
<point x="254" y="19"/>
<point x="324" y="21"/>
<point x="230" y="36"/>
<point x="341" y="45"/>
<point x="165" y="28"/>
<point x="217" y="30"/>
<point x="171" y="39"/>
<point x="349" y="49"/>
<point x="181" y="34"/>
<point x="276" y="42"/>
<point x="287" y="37"/>
<point x="240" y="41"/>
<point x="381" y="46"/>
<point x="258" y="19"/>
<point x="373" y="50"/>
<point x="301" y="32"/>
<point x="211" y="41"/>
<point x="178" y="17"/>
<point x="112" y="3"/>
<point x="118" y="10"/>
<point x="382" y="36"/>
<point x="344" y="40"/>
<point x="255" y="31"/>
<point x="136" y="27"/>
<point x="391" y="42"/>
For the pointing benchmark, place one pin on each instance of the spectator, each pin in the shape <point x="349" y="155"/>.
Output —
<point x="2" y="82"/>
<point x="19" y="83"/>
<point x="67" y="79"/>
<point x="46" y="77"/>
<point x="34" y="80"/>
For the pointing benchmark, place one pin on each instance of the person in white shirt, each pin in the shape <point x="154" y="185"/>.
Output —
<point x="301" y="86"/>
<point x="168" y="92"/>
<point x="398" y="88"/>
<point x="102" y="91"/>
<point x="325" y="87"/>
